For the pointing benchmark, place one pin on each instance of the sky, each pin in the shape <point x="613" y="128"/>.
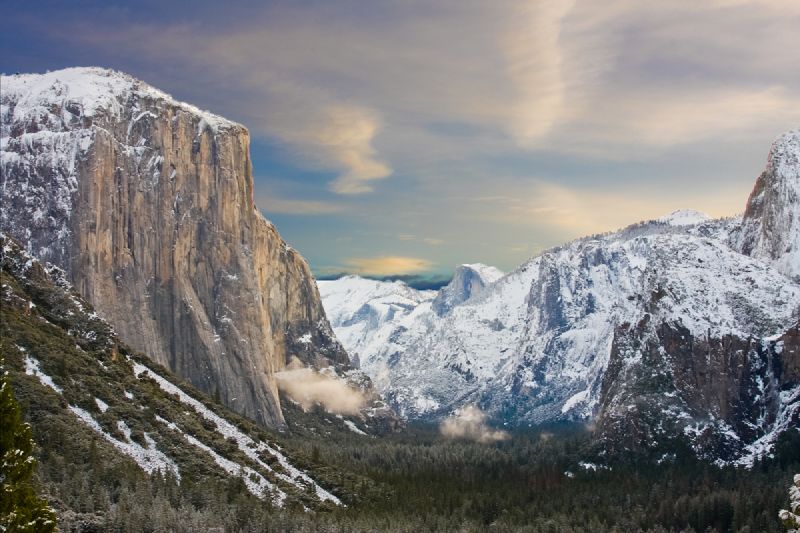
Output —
<point x="406" y="137"/>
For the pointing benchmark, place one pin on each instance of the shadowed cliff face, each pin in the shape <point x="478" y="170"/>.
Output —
<point x="147" y="203"/>
<point x="729" y="396"/>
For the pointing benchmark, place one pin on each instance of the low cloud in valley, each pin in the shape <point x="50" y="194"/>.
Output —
<point x="470" y="423"/>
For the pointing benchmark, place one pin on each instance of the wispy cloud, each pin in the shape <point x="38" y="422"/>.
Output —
<point x="535" y="67"/>
<point x="344" y="139"/>
<point x="580" y="211"/>
<point x="387" y="265"/>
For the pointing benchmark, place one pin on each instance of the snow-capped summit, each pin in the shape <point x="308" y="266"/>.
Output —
<point x="684" y="217"/>
<point x="468" y="281"/>
<point x="81" y="93"/>
<point x="366" y="311"/>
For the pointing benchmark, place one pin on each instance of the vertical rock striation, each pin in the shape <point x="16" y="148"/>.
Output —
<point x="468" y="281"/>
<point x="147" y="203"/>
<point x="771" y="224"/>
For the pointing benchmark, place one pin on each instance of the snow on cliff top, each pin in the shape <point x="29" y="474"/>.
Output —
<point x="92" y="88"/>
<point x="684" y="217"/>
<point x="787" y="143"/>
<point x="488" y="274"/>
<point x="784" y="160"/>
<point x="349" y="293"/>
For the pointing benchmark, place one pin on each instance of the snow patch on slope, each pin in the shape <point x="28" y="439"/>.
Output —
<point x="254" y="481"/>
<point x="149" y="459"/>
<point x="246" y="445"/>
<point x="32" y="369"/>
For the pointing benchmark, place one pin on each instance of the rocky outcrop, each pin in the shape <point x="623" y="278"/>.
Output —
<point x="729" y="397"/>
<point x="468" y="281"/>
<point x="147" y="204"/>
<point x="771" y="223"/>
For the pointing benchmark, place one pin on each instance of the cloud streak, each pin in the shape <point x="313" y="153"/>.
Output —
<point x="388" y="265"/>
<point x="342" y="138"/>
<point x="579" y="211"/>
<point x="534" y="64"/>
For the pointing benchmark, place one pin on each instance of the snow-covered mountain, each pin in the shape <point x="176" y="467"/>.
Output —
<point x="537" y="344"/>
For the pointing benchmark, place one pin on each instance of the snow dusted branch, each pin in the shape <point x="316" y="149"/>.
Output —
<point x="791" y="517"/>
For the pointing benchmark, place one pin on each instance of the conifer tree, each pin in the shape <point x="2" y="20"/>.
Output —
<point x="21" y="510"/>
<point x="791" y="517"/>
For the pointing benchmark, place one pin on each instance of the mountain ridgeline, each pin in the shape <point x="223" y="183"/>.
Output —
<point x="147" y="204"/>
<point x="676" y="329"/>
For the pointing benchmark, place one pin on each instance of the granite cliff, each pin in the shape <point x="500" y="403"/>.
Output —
<point x="147" y="204"/>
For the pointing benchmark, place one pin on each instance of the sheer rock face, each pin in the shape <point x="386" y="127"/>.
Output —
<point x="730" y="396"/>
<point x="147" y="203"/>
<point x="771" y="224"/>
<point x="468" y="281"/>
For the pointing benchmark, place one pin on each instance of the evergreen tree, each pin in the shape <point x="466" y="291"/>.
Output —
<point x="791" y="517"/>
<point x="21" y="510"/>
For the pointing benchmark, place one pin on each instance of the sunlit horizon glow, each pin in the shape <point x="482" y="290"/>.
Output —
<point x="405" y="137"/>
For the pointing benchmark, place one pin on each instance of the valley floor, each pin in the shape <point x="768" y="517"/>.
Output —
<point x="416" y="481"/>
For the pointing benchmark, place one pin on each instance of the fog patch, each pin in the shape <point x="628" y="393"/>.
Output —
<point x="309" y="388"/>
<point x="470" y="423"/>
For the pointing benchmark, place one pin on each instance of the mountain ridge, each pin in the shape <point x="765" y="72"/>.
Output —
<point x="536" y="344"/>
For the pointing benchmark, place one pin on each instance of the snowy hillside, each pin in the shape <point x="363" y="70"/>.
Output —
<point x="63" y="354"/>
<point x="365" y="312"/>
<point x="535" y="345"/>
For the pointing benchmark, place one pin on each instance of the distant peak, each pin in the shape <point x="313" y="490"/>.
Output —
<point x="684" y="217"/>
<point x="488" y="274"/>
<point x="771" y="227"/>
<point x="468" y="280"/>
